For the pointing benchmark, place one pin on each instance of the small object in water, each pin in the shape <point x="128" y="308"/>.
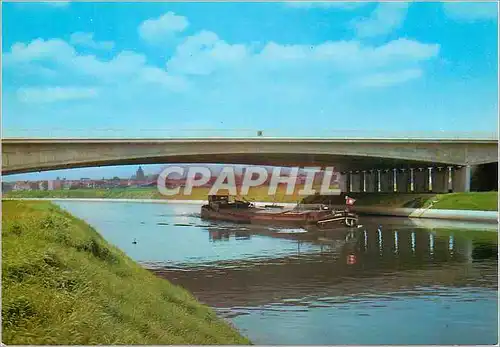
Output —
<point x="134" y="242"/>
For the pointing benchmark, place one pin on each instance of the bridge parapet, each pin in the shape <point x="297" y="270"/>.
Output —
<point x="324" y="133"/>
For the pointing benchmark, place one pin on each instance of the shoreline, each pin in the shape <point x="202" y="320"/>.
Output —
<point x="97" y="275"/>
<point x="411" y="213"/>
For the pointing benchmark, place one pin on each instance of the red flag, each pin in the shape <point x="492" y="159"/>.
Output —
<point x="349" y="201"/>
<point x="351" y="259"/>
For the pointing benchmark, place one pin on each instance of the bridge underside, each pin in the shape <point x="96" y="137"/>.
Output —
<point x="368" y="165"/>
<point x="31" y="155"/>
<point x="339" y="162"/>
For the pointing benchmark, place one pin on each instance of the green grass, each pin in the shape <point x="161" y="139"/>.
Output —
<point x="62" y="283"/>
<point x="484" y="201"/>
<point x="115" y="193"/>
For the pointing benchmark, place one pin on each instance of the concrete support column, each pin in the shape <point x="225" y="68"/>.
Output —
<point x="412" y="180"/>
<point x="363" y="174"/>
<point x="394" y="180"/>
<point x="429" y="179"/>
<point x="461" y="179"/>
<point x="379" y="178"/>
<point x="356" y="182"/>
<point x="385" y="181"/>
<point x="468" y="177"/>
<point x="449" y="178"/>
<point x="350" y="182"/>
<point x="370" y="181"/>
<point x="440" y="180"/>
<point x="343" y="182"/>
<point x="403" y="181"/>
<point x="420" y="181"/>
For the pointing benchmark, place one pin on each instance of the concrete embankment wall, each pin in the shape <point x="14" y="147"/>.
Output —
<point x="458" y="215"/>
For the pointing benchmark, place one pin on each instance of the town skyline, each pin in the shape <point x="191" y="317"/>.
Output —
<point x="143" y="179"/>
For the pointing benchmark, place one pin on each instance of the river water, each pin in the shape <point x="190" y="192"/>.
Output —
<point x="388" y="282"/>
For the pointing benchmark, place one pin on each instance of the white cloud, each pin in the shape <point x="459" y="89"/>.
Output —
<point x="204" y="52"/>
<point x="159" y="76"/>
<point x="87" y="40"/>
<point x="326" y="4"/>
<point x="157" y="31"/>
<point x="67" y="64"/>
<point x="383" y="20"/>
<point x="54" y="94"/>
<point x="39" y="50"/>
<point x="387" y="79"/>
<point x="210" y="75"/>
<point x="471" y="11"/>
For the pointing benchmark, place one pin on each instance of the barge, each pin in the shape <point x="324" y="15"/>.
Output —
<point x="220" y="207"/>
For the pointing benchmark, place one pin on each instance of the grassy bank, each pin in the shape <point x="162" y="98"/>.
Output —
<point x="478" y="201"/>
<point x="62" y="283"/>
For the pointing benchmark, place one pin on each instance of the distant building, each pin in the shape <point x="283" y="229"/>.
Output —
<point x="7" y="186"/>
<point x="86" y="183"/>
<point x="43" y="185"/>
<point x="152" y="177"/>
<point x="51" y="184"/>
<point x="139" y="175"/>
<point x="21" y="185"/>
<point x="65" y="184"/>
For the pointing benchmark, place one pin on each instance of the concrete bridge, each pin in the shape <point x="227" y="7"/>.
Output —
<point x="368" y="164"/>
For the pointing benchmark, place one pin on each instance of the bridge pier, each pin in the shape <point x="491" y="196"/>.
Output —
<point x="385" y="181"/>
<point x="394" y="182"/>
<point x="403" y="181"/>
<point x="370" y="181"/>
<point x="356" y="183"/>
<point x="412" y="180"/>
<point x="378" y="180"/>
<point x="364" y="183"/>
<point x="343" y="182"/>
<point x="462" y="178"/>
<point x="420" y="182"/>
<point x="440" y="180"/>
<point x="430" y="179"/>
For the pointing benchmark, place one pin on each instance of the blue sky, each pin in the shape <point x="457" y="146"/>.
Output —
<point x="208" y="69"/>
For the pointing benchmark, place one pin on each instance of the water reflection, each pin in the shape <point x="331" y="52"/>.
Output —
<point x="385" y="283"/>
<point x="396" y="242"/>
<point x="347" y="262"/>
<point x="431" y="243"/>
<point x="484" y="251"/>
<point x="413" y="242"/>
